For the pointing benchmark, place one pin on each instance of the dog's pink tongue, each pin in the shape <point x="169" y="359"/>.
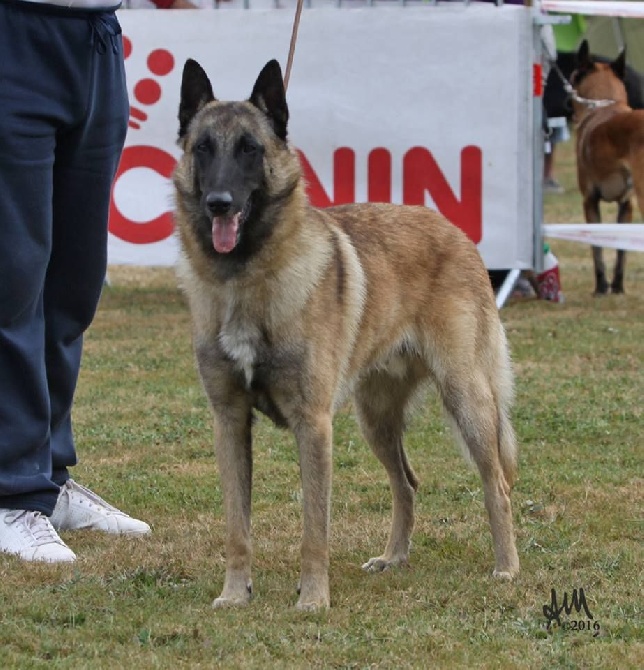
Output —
<point x="224" y="232"/>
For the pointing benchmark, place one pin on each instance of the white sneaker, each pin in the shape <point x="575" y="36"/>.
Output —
<point x="31" y="536"/>
<point x="78" y="507"/>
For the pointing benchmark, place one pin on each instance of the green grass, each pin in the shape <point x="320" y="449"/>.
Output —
<point x="144" y="438"/>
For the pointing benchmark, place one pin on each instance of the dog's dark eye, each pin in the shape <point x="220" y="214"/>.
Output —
<point x="202" y="147"/>
<point x="248" y="146"/>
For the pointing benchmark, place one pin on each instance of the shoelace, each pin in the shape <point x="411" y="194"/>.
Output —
<point x="86" y="496"/>
<point x="36" y="524"/>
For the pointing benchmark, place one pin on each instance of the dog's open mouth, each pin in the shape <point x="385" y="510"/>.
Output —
<point x="226" y="230"/>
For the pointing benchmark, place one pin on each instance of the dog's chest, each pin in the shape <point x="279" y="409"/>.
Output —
<point x="241" y="339"/>
<point x="617" y="187"/>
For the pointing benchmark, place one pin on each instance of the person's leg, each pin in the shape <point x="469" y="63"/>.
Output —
<point x="558" y="133"/>
<point x="86" y="160"/>
<point x="33" y="110"/>
<point x="61" y="133"/>
<point x="27" y="142"/>
<point x="64" y="122"/>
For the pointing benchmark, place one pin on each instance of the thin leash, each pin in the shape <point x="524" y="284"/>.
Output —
<point x="570" y="90"/>
<point x="591" y="103"/>
<point x="291" y="51"/>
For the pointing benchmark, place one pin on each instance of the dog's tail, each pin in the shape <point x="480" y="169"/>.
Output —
<point x="481" y="428"/>
<point x="504" y="393"/>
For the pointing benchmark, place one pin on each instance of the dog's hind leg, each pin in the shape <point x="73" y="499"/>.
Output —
<point x="624" y="215"/>
<point x="380" y="402"/>
<point x="592" y="215"/>
<point x="478" y="408"/>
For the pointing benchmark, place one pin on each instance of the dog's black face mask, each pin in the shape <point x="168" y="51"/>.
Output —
<point x="227" y="142"/>
<point x="229" y="170"/>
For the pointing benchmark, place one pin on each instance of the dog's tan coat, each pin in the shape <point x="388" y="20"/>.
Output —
<point x="365" y="300"/>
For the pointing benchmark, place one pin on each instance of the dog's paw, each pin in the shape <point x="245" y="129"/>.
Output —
<point x="380" y="564"/>
<point x="314" y="597"/>
<point x="505" y="575"/>
<point x="234" y="597"/>
<point x="312" y="605"/>
<point x="222" y="603"/>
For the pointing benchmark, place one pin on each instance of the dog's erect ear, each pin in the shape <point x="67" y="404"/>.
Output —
<point x="196" y="92"/>
<point x="584" y="59"/>
<point x="269" y="96"/>
<point x="618" y="66"/>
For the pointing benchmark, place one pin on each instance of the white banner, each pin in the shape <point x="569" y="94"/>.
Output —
<point x="627" y="236"/>
<point x="595" y="7"/>
<point x="425" y="105"/>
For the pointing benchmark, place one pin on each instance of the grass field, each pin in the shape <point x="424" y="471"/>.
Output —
<point x="144" y="438"/>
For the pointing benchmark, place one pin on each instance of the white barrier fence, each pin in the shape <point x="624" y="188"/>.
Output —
<point x="623" y="9"/>
<point x="629" y="237"/>
<point x="421" y="105"/>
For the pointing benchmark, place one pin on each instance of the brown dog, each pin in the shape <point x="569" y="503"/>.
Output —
<point x="295" y="308"/>
<point x="610" y="150"/>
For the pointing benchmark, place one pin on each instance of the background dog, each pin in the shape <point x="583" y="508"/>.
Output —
<point x="556" y="100"/>
<point x="610" y="150"/>
<point x="295" y="308"/>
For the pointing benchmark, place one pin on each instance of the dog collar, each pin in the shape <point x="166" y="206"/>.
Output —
<point x="570" y="90"/>
<point x="590" y="102"/>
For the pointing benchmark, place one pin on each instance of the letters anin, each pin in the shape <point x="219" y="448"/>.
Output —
<point x="421" y="175"/>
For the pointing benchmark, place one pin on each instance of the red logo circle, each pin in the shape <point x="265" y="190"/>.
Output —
<point x="162" y="226"/>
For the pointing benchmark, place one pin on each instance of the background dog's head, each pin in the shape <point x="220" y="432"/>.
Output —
<point x="236" y="158"/>
<point x="595" y="80"/>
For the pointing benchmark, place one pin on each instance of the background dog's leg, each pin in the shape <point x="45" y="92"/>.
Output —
<point x="314" y="439"/>
<point x="234" y="458"/>
<point x="592" y="214"/>
<point x="624" y="215"/>
<point x="478" y="420"/>
<point x="380" y="403"/>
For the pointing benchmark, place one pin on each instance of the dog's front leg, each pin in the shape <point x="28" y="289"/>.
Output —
<point x="624" y="215"/>
<point x="592" y="215"/>
<point x="314" y="439"/>
<point x="234" y="458"/>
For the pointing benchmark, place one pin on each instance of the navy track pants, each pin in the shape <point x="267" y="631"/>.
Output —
<point x="63" y="119"/>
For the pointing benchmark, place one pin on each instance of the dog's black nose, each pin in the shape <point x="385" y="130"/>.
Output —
<point x="219" y="202"/>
